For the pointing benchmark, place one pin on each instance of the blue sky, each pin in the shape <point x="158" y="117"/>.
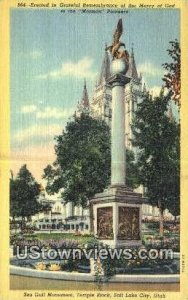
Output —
<point x="52" y="53"/>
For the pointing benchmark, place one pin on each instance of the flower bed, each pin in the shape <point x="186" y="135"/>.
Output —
<point x="169" y="241"/>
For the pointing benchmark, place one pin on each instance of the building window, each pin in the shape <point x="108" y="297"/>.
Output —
<point x="72" y="226"/>
<point x="86" y="226"/>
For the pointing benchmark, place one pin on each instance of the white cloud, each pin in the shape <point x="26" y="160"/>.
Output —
<point x="48" y="112"/>
<point x="55" y="113"/>
<point x="48" y="130"/>
<point x="80" y="69"/>
<point x="149" y="69"/>
<point x="25" y="109"/>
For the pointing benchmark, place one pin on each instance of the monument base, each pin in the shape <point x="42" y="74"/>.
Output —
<point x="117" y="216"/>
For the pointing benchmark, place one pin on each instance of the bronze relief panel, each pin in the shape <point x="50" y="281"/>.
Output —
<point x="128" y="223"/>
<point x="105" y="222"/>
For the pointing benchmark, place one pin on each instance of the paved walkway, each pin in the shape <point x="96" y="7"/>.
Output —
<point x="29" y="283"/>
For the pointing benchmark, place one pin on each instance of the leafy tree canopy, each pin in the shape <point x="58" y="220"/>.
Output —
<point x="24" y="192"/>
<point x="172" y="78"/>
<point x="157" y="138"/>
<point x="82" y="166"/>
<point x="83" y="163"/>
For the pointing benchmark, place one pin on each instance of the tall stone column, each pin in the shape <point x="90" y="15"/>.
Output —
<point x="117" y="134"/>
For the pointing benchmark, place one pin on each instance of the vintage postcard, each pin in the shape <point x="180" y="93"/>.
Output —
<point x="93" y="153"/>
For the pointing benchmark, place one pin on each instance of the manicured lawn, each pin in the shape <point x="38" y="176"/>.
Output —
<point x="60" y="236"/>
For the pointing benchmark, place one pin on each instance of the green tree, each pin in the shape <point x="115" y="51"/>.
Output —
<point x="157" y="138"/>
<point x="24" y="192"/>
<point x="131" y="170"/>
<point x="174" y="203"/>
<point x="172" y="78"/>
<point x="82" y="167"/>
<point x="14" y="203"/>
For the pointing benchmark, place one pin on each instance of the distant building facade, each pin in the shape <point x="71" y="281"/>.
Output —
<point x="62" y="216"/>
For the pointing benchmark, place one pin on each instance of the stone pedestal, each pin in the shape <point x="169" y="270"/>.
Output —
<point x="117" y="216"/>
